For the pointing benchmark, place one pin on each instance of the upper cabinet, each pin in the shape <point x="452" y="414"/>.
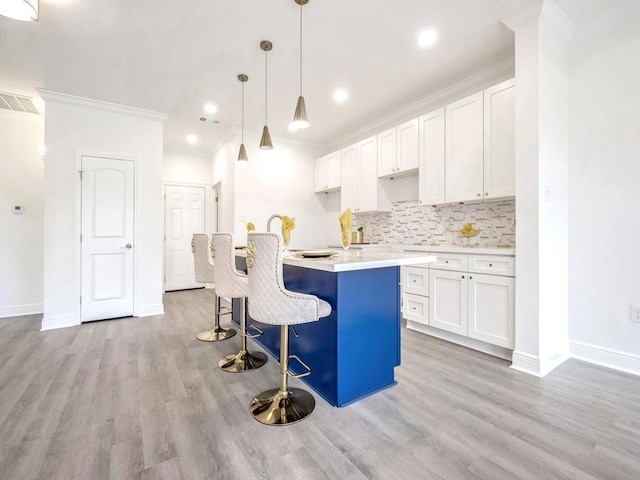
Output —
<point x="464" y="149"/>
<point x="467" y="149"/>
<point x="500" y="140"/>
<point x="398" y="150"/>
<point x="432" y="140"/>
<point x="361" y="189"/>
<point x="327" y="173"/>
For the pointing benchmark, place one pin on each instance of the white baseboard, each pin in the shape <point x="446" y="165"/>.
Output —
<point x="19" y="310"/>
<point x="150" y="310"/>
<point x="472" y="343"/>
<point x="531" y="364"/>
<point x="605" y="357"/>
<point x="62" y="321"/>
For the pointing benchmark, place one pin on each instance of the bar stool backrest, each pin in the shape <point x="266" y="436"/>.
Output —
<point x="202" y="265"/>
<point x="229" y="281"/>
<point x="269" y="301"/>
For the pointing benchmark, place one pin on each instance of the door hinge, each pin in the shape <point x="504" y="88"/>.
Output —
<point x="80" y="172"/>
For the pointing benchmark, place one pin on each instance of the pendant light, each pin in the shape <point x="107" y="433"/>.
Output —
<point x="300" y="119"/>
<point x="265" y="140"/>
<point x="24" y="10"/>
<point x="242" y="154"/>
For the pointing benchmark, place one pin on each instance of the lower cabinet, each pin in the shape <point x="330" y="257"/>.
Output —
<point x="452" y="296"/>
<point x="474" y="305"/>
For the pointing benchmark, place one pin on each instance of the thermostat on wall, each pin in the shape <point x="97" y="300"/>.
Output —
<point x="18" y="209"/>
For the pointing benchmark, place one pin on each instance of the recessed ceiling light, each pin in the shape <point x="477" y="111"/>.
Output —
<point x="192" y="139"/>
<point x="210" y="108"/>
<point x="340" y="95"/>
<point x="427" y="38"/>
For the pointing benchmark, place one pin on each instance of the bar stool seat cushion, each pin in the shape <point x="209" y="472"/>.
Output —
<point x="324" y="309"/>
<point x="230" y="282"/>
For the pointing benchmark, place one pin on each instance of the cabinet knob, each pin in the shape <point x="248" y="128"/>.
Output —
<point x="446" y="261"/>
<point x="486" y="194"/>
<point x="479" y="195"/>
<point x="470" y="277"/>
<point x="462" y="276"/>
<point x="491" y="264"/>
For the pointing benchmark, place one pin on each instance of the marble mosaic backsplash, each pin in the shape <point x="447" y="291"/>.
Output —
<point x="410" y="223"/>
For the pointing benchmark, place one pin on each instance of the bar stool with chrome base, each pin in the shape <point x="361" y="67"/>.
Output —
<point x="271" y="303"/>
<point x="205" y="274"/>
<point x="233" y="284"/>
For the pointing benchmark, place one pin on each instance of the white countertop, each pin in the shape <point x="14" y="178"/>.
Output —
<point x="386" y="247"/>
<point x="354" y="260"/>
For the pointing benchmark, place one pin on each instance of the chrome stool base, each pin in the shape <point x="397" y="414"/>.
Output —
<point x="275" y="407"/>
<point x="242" y="361"/>
<point x="216" y="335"/>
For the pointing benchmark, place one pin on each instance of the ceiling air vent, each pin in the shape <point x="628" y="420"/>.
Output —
<point x="9" y="101"/>
<point x="209" y="120"/>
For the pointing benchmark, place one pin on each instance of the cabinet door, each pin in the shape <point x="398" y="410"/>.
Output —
<point x="334" y="170"/>
<point x="431" y="152"/>
<point x="368" y="185"/>
<point x="387" y="153"/>
<point x="491" y="309"/>
<point x="448" y="301"/>
<point x="500" y="141"/>
<point x="320" y="175"/>
<point x="408" y="146"/>
<point x="349" y="192"/>
<point x="464" y="149"/>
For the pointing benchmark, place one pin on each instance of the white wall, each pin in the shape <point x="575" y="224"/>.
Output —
<point x="280" y="181"/>
<point x="76" y="127"/>
<point x="274" y="181"/>
<point x="178" y="167"/>
<point x="604" y="192"/>
<point x="21" y="236"/>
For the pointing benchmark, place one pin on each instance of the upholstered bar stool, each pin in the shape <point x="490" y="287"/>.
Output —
<point x="205" y="274"/>
<point x="271" y="303"/>
<point x="233" y="284"/>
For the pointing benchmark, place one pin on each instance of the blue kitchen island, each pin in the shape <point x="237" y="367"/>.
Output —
<point x="354" y="351"/>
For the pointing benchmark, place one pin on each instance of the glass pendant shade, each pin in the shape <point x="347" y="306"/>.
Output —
<point x="24" y="10"/>
<point x="265" y="140"/>
<point x="300" y="119"/>
<point x="242" y="154"/>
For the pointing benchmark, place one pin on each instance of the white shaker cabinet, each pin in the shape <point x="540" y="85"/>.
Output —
<point x="327" y="173"/>
<point x="431" y="153"/>
<point x="448" y="301"/>
<point x="464" y="149"/>
<point x="398" y="150"/>
<point x="499" y="141"/>
<point x="491" y="309"/>
<point x="361" y="189"/>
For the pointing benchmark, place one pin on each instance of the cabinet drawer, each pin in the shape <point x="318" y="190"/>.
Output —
<point x="450" y="261"/>
<point x="415" y="280"/>
<point x="492" y="265"/>
<point x="415" y="308"/>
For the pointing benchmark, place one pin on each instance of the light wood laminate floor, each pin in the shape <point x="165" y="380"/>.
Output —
<point x="143" y="399"/>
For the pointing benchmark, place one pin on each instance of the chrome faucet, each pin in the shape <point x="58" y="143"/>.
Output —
<point x="275" y="215"/>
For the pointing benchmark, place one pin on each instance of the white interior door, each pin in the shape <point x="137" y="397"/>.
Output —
<point x="107" y="238"/>
<point x="185" y="214"/>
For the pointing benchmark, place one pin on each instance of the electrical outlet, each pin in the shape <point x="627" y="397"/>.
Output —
<point x="635" y="313"/>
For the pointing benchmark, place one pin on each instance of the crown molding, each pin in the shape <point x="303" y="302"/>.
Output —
<point x="66" y="99"/>
<point x="496" y="73"/>
<point x="548" y="12"/>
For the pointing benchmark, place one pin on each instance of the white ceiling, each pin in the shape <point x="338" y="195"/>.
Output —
<point x="173" y="56"/>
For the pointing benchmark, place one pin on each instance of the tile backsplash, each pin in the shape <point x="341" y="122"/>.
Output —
<point x="410" y="223"/>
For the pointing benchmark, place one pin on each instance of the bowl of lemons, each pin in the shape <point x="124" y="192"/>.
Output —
<point x="468" y="231"/>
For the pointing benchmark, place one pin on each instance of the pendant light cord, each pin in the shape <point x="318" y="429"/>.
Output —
<point x="242" y="113"/>
<point x="300" y="49"/>
<point x="266" y="79"/>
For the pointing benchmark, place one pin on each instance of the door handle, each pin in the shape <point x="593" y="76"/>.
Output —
<point x="127" y="246"/>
